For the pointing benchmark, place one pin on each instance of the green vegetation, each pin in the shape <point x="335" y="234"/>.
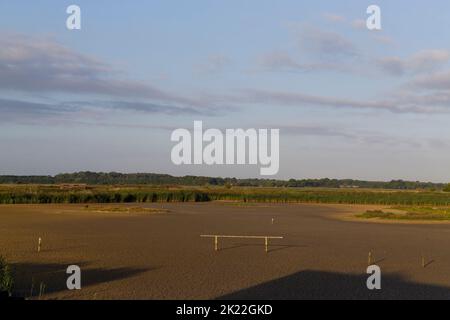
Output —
<point x="31" y="194"/>
<point x="410" y="213"/>
<point x="34" y="194"/>
<point x="114" y="178"/>
<point x="126" y="209"/>
<point x="6" y="278"/>
<point x="370" y="214"/>
<point x="244" y="204"/>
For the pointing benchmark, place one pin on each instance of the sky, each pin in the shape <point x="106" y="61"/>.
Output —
<point x="349" y="102"/>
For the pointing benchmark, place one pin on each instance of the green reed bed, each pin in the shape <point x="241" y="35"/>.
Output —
<point x="35" y="194"/>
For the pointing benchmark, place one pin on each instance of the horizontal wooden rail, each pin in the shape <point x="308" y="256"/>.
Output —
<point x="217" y="236"/>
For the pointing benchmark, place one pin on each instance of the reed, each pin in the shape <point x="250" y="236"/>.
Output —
<point x="35" y="194"/>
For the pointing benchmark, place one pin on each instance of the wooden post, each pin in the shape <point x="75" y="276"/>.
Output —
<point x="41" y="290"/>
<point x="266" y="243"/>
<point x="32" y="287"/>
<point x="39" y="244"/>
<point x="216" y="243"/>
<point x="369" y="260"/>
<point x="423" y="261"/>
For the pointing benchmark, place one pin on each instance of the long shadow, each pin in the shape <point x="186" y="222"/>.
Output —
<point x="29" y="278"/>
<point x="272" y="247"/>
<point x="63" y="248"/>
<point x="379" y="261"/>
<point x="428" y="263"/>
<point x="279" y="247"/>
<point x="310" y="284"/>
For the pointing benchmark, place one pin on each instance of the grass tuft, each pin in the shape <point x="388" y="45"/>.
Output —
<point x="370" y="214"/>
<point x="418" y="213"/>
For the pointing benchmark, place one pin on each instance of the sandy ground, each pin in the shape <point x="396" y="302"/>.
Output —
<point x="161" y="256"/>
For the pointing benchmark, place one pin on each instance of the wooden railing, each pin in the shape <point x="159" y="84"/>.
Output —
<point x="217" y="236"/>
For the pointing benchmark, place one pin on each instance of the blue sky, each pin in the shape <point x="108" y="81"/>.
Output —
<point x="349" y="102"/>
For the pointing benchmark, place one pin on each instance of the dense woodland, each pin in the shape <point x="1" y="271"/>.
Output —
<point x="114" y="178"/>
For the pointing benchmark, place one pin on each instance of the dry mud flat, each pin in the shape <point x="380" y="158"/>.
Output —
<point x="139" y="255"/>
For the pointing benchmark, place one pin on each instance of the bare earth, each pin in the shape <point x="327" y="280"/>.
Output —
<point x="133" y="255"/>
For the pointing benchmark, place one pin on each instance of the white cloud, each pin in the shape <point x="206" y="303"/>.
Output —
<point x="438" y="81"/>
<point x="423" y="61"/>
<point x="400" y="102"/>
<point x="325" y="45"/>
<point x="283" y="62"/>
<point x="37" y="64"/>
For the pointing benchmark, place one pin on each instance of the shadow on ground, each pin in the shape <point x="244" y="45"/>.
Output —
<point x="29" y="278"/>
<point x="272" y="247"/>
<point x="329" y="285"/>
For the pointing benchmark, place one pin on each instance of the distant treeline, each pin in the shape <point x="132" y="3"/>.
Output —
<point x="114" y="178"/>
